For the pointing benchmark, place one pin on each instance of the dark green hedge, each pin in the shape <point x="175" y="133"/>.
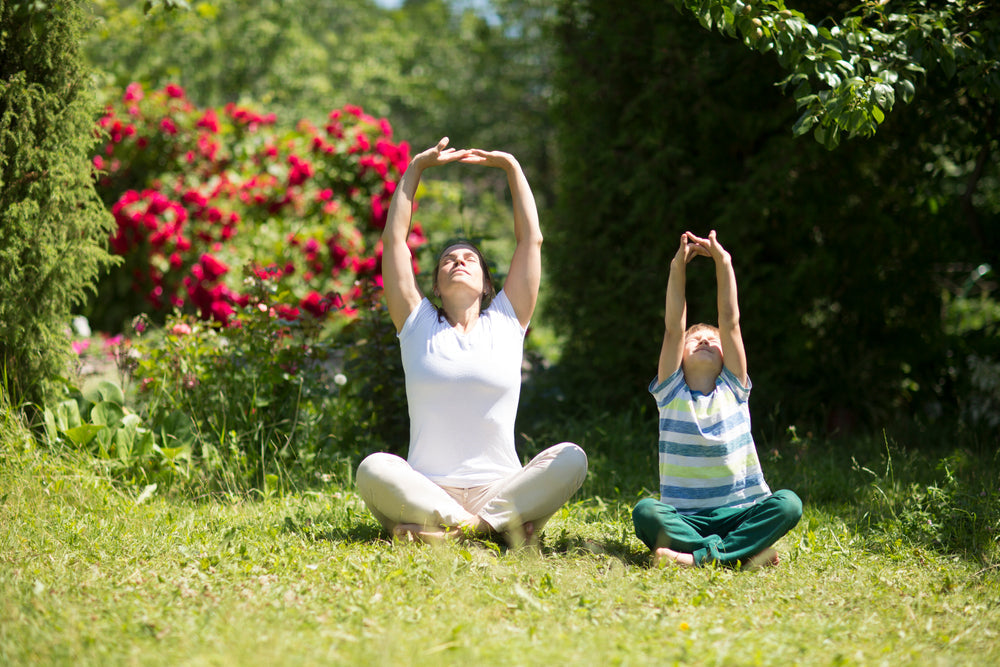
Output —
<point x="841" y="257"/>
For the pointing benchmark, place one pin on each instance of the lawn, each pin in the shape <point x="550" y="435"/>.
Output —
<point x="93" y="572"/>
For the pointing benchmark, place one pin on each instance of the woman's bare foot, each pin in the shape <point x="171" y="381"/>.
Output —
<point x="766" y="558"/>
<point x="414" y="532"/>
<point x="521" y="536"/>
<point x="663" y="555"/>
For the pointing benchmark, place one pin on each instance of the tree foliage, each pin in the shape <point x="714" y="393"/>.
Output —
<point x="432" y="67"/>
<point x="843" y="258"/>
<point x="847" y="73"/>
<point x="53" y="227"/>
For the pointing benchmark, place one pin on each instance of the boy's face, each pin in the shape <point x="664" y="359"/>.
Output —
<point x="703" y="352"/>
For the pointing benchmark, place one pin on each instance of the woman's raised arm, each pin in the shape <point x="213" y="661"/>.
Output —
<point x="524" y="276"/>
<point x="402" y="294"/>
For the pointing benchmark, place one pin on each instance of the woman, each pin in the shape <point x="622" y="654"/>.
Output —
<point x="462" y="363"/>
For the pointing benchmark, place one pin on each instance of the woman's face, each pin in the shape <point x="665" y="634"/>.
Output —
<point x="460" y="265"/>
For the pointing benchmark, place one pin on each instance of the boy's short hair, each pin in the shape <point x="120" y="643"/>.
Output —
<point x="695" y="328"/>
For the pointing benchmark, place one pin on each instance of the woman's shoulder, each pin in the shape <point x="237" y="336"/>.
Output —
<point x="501" y="306"/>
<point x="419" y="316"/>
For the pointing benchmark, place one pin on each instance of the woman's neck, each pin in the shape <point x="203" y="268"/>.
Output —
<point x="462" y="317"/>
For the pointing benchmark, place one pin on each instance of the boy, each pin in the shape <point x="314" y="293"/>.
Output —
<point x="714" y="503"/>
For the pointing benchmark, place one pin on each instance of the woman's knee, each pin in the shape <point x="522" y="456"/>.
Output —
<point x="573" y="459"/>
<point x="374" y="467"/>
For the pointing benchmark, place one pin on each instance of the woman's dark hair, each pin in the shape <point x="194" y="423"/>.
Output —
<point x="489" y="289"/>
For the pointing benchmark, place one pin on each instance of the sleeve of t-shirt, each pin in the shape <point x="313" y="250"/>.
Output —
<point x="416" y="318"/>
<point x="730" y="380"/>
<point x="665" y="391"/>
<point x="502" y="306"/>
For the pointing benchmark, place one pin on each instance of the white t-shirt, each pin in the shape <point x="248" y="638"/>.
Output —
<point x="462" y="391"/>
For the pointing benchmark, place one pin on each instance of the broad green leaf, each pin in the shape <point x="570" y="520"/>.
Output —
<point x="67" y="415"/>
<point x="105" y="390"/>
<point x="51" y="431"/>
<point x="123" y="441"/>
<point x="107" y="413"/>
<point x="82" y="435"/>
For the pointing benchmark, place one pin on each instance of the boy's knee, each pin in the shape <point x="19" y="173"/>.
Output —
<point x="643" y="510"/>
<point x="790" y="506"/>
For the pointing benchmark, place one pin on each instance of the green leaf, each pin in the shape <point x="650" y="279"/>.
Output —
<point x="105" y="390"/>
<point x="107" y="413"/>
<point x="906" y="90"/>
<point x="67" y="415"/>
<point x="804" y="123"/>
<point x="51" y="431"/>
<point x="147" y="493"/>
<point x="81" y="436"/>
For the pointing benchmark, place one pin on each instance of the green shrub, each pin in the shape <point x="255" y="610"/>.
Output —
<point x="198" y="193"/>
<point x="245" y="402"/>
<point x="52" y="225"/>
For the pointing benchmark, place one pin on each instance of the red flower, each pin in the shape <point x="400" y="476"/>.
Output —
<point x="174" y="91"/>
<point x="209" y="121"/>
<point x="221" y="311"/>
<point x="212" y="267"/>
<point x="313" y="303"/>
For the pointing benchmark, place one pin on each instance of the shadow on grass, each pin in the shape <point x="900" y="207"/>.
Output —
<point x="361" y="531"/>
<point x="319" y="528"/>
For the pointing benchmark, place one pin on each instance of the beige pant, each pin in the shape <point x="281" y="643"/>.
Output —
<point x="396" y="493"/>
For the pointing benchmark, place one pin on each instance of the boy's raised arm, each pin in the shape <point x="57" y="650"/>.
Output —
<point x="675" y="318"/>
<point x="734" y="355"/>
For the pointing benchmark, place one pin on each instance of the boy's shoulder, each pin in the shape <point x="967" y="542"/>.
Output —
<point x="669" y="388"/>
<point x="675" y="388"/>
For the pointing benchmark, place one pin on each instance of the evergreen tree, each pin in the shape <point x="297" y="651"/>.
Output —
<point x="53" y="227"/>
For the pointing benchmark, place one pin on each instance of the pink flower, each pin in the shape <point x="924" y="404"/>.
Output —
<point x="79" y="346"/>
<point x="174" y="91"/>
<point x="133" y="92"/>
<point x="180" y="329"/>
<point x="168" y="126"/>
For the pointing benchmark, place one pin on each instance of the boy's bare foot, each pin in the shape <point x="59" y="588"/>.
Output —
<point x="663" y="556"/>
<point x="766" y="558"/>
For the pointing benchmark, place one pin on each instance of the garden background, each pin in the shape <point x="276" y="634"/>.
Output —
<point x="196" y="356"/>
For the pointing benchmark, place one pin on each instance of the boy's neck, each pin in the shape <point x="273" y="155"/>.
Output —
<point x="703" y="383"/>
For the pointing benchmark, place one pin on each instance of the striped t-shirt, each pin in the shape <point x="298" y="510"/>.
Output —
<point x="707" y="455"/>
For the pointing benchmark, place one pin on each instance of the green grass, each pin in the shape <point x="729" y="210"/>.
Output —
<point x="90" y="576"/>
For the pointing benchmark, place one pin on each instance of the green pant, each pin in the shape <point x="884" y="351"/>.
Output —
<point x="726" y="535"/>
